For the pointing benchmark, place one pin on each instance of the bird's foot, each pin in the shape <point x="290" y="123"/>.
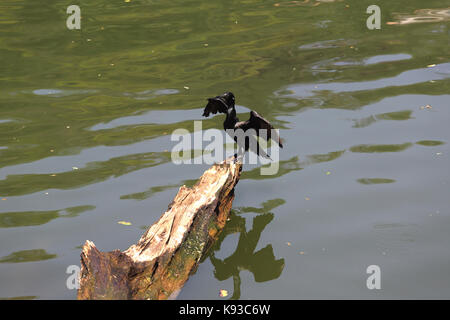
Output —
<point x="238" y="157"/>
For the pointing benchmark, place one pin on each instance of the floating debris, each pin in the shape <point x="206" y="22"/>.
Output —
<point x="431" y="65"/>
<point x="125" y="223"/>
<point x="223" y="293"/>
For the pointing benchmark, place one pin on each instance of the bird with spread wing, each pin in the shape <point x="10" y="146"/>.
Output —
<point x="226" y="104"/>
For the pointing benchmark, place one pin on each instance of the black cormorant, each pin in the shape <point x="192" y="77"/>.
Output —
<point x="226" y="104"/>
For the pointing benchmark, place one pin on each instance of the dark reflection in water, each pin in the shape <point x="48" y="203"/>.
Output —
<point x="148" y="193"/>
<point x="398" y="115"/>
<point x="93" y="172"/>
<point x="151" y="191"/>
<point x="371" y="148"/>
<point x="35" y="218"/>
<point x="21" y="298"/>
<point x="356" y="94"/>
<point x="262" y="263"/>
<point x="430" y="143"/>
<point x="27" y="256"/>
<point x="285" y="167"/>
<point x="375" y="180"/>
<point x="318" y="158"/>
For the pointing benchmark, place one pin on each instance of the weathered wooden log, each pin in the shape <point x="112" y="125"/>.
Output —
<point x="170" y="250"/>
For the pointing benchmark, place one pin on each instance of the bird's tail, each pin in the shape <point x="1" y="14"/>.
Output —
<point x="262" y="153"/>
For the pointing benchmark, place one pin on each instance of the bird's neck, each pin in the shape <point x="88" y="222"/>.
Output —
<point x="231" y="118"/>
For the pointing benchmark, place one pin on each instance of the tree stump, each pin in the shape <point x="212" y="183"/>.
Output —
<point x="169" y="251"/>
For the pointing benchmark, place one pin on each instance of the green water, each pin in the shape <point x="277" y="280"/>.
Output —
<point x="86" y="117"/>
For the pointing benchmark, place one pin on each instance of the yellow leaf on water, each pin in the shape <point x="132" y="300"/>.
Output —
<point x="328" y="173"/>
<point x="3" y="199"/>
<point x="223" y="293"/>
<point x="431" y="65"/>
<point x="125" y="223"/>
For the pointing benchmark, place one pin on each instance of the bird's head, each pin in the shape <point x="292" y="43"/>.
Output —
<point x="228" y="98"/>
<point x="223" y="104"/>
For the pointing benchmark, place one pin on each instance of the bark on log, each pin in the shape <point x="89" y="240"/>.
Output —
<point x="170" y="250"/>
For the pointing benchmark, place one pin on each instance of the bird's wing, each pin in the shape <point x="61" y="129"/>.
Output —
<point x="257" y="122"/>
<point x="256" y="148"/>
<point x="215" y="105"/>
